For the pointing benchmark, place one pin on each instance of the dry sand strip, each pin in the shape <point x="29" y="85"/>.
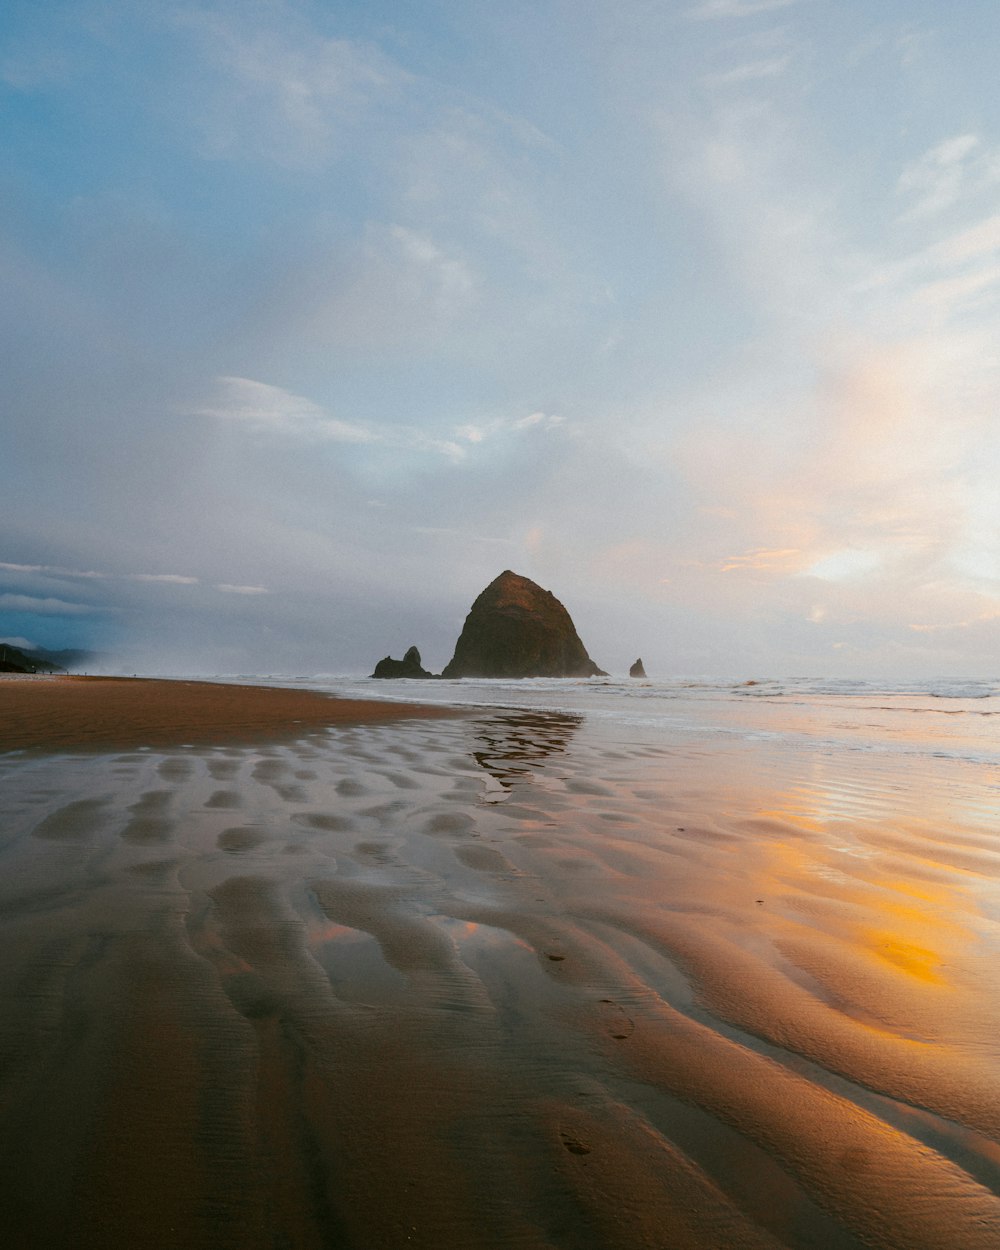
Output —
<point x="124" y="713"/>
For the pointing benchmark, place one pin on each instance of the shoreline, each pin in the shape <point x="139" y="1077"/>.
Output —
<point x="73" y="712"/>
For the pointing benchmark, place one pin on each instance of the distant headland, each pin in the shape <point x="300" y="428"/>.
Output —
<point x="38" y="660"/>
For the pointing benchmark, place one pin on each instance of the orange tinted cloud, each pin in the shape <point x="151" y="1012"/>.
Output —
<point x="782" y="558"/>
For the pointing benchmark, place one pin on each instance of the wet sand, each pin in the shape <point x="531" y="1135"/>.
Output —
<point x="53" y="712"/>
<point x="510" y="979"/>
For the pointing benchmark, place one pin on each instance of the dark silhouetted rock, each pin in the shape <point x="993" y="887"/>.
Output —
<point x="517" y="629"/>
<point x="408" y="666"/>
<point x="637" y="670"/>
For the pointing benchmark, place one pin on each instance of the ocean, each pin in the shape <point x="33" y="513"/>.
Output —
<point x="945" y="717"/>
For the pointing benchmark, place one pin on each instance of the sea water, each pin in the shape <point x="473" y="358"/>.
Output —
<point x="942" y="718"/>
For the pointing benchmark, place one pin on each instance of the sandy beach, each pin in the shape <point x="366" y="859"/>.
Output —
<point x="55" y="712"/>
<point x="300" y="973"/>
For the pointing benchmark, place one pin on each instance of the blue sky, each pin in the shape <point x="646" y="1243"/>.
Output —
<point x="318" y="315"/>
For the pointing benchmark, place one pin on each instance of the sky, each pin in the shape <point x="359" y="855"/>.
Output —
<point x="318" y="315"/>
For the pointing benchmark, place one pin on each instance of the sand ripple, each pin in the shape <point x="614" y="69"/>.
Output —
<point x="498" y="982"/>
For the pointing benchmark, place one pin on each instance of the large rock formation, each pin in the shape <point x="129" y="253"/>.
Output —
<point x="517" y="629"/>
<point x="408" y="666"/>
<point x="637" y="670"/>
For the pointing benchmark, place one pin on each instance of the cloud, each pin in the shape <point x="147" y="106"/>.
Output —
<point x="269" y="409"/>
<point x="22" y="644"/>
<point x="450" y="278"/>
<point x="952" y="171"/>
<point x="466" y="534"/>
<point x="293" y="419"/>
<point x="60" y="572"/>
<point x="481" y="431"/>
<point x="869" y="499"/>
<point x="841" y="565"/>
<point x="984" y="618"/>
<point x="44" y="607"/>
<point x="229" y="589"/>
<point x="981" y="239"/>
<point x="762" y="558"/>
<point x="711" y="10"/>
<point x="277" y="90"/>
<point x="752" y="71"/>
<point x="846" y="435"/>
<point x="538" y="420"/>
<point x="397" y="289"/>
<point x="167" y="579"/>
<point x="54" y="571"/>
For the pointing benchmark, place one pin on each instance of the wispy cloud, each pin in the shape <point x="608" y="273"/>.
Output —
<point x="167" y="579"/>
<point x="782" y="558"/>
<point x="44" y="607"/>
<point x="450" y="531"/>
<point x="953" y="171"/>
<point x="399" y="288"/>
<point x="981" y="239"/>
<point x="277" y="90"/>
<point x="53" y="570"/>
<point x="272" y="410"/>
<point x="984" y="618"/>
<point x="751" y="71"/>
<point x="711" y="10"/>
<point x="61" y="572"/>
<point x="481" y="431"/>
<point x="230" y="589"/>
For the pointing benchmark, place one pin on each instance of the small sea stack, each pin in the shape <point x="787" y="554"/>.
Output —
<point x="409" y="666"/>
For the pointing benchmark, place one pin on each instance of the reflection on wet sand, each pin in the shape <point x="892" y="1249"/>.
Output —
<point x="511" y="746"/>
<point x="336" y="994"/>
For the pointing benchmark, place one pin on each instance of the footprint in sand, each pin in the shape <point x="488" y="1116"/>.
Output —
<point x="449" y="824"/>
<point x="153" y="870"/>
<point x="224" y="798"/>
<point x="175" y="769"/>
<point x="290" y="793"/>
<point x="269" y="770"/>
<point x="377" y="853"/>
<point x="485" y="859"/>
<point x="238" y="839"/>
<point x="73" y="821"/>
<point x="328" y="822"/>
<point x="401" y="781"/>
<point x="149" y="822"/>
<point x="616" y="1020"/>
<point x="223" y="770"/>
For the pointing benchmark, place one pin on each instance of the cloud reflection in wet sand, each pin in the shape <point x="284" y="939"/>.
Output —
<point x="654" y="997"/>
